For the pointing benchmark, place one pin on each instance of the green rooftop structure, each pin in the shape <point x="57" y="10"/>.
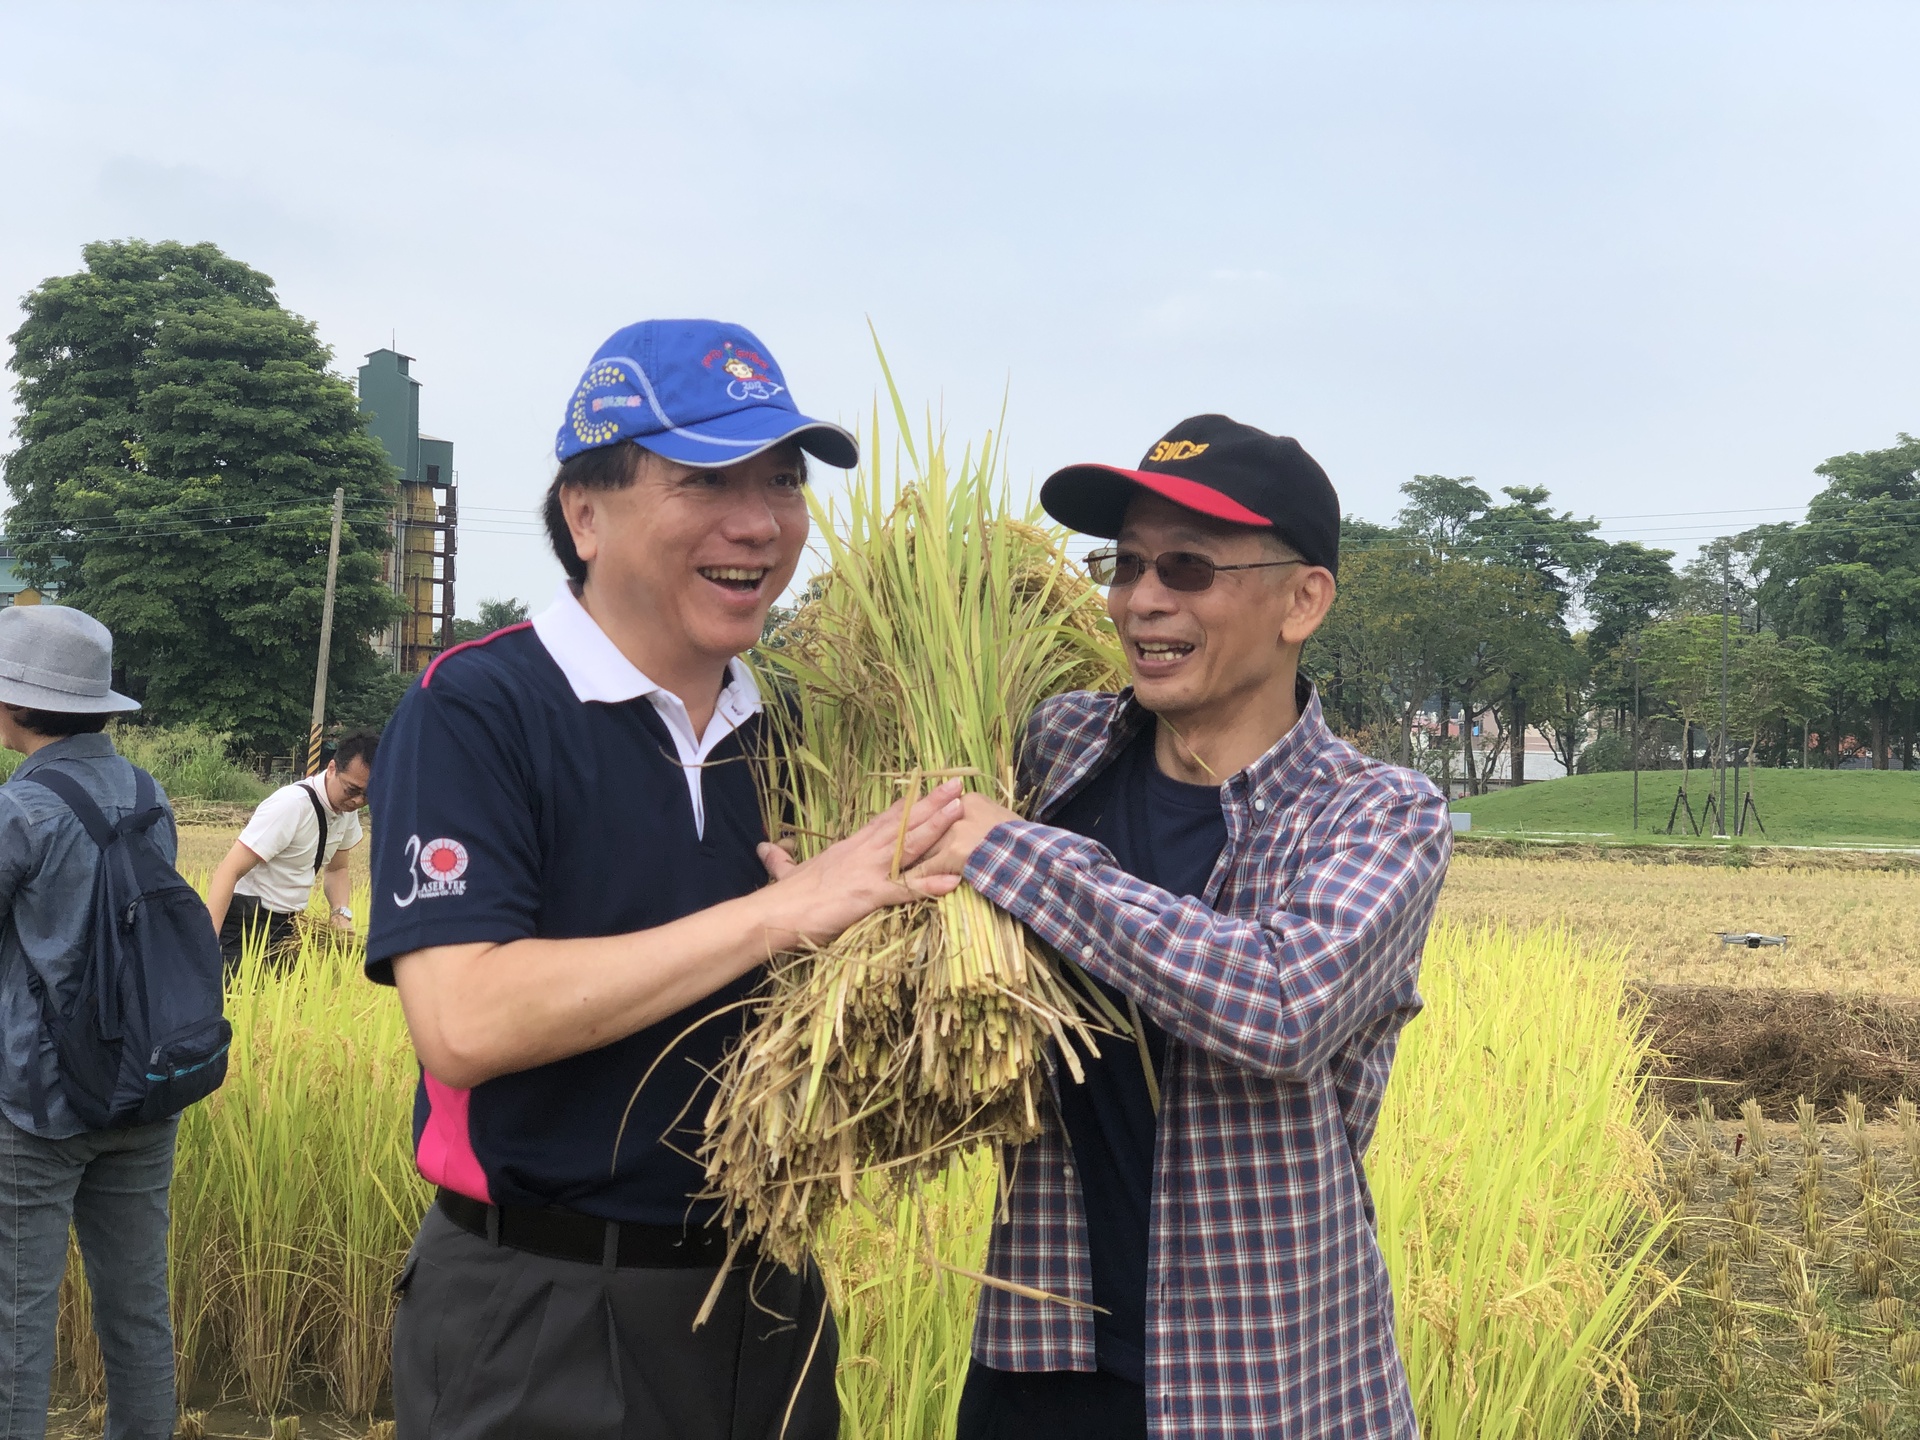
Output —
<point x="420" y="561"/>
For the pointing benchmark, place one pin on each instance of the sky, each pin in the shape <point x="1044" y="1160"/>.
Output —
<point x="1655" y="257"/>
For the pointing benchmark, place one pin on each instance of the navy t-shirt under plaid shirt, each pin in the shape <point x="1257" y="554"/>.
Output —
<point x="533" y="784"/>
<point x="1168" y="834"/>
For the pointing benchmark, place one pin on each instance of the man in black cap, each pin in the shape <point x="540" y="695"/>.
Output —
<point x="1255" y="894"/>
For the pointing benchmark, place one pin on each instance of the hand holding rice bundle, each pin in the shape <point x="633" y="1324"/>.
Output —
<point x="919" y="1032"/>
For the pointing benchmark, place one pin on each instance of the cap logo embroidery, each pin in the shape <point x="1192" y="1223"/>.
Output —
<point x="747" y="372"/>
<point x="1176" y="450"/>
<point x="589" y="430"/>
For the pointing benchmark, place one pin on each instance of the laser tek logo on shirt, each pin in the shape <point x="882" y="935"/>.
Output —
<point x="435" y="869"/>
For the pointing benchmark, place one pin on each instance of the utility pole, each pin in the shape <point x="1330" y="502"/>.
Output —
<point x="326" y="636"/>
<point x="1726" y="619"/>
<point x="1634" y="655"/>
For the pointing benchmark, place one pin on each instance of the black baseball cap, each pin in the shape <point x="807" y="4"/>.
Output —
<point x="1218" y="467"/>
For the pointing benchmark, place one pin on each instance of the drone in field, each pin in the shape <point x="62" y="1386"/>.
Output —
<point x="1752" y="939"/>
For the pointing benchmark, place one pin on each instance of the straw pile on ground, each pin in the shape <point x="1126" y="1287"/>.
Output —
<point x="944" y="620"/>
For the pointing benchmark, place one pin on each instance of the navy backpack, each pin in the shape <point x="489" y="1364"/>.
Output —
<point x="140" y="1036"/>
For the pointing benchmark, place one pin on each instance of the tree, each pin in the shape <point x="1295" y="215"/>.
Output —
<point x="1525" y="535"/>
<point x="1680" y="662"/>
<point x="181" y="442"/>
<point x="1849" y="578"/>
<point x="1776" y="681"/>
<point x="1442" y="510"/>
<point x="494" y="615"/>
<point x="1632" y="585"/>
<point x="1438" y="512"/>
<point x="1564" y="711"/>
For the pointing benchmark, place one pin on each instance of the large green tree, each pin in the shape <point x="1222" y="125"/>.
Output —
<point x="1526" y="535"/>
<point x="1632" y="586"/>
<point x="1849" y="578"/>
<point x="180" y="442"/>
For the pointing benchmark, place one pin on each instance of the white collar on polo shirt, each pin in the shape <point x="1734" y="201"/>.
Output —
<point x="600" y="674"/>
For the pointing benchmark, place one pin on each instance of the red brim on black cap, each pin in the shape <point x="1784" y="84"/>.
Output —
<point x="1093" y="499"/>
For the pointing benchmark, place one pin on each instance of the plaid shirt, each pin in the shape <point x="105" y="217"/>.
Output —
<point x="1269" y="1311"/>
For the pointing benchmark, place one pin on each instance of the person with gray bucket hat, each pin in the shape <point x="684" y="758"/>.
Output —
<point x="70" y="806"/>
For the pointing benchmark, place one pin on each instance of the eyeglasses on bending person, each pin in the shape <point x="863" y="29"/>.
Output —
<point x="1178" y="569"/>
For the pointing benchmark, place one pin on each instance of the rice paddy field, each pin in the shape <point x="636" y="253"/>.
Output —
<point x="1569" y="1258"/>
<point x="1848" y="929"/>
<point x="1515" y="1172"/>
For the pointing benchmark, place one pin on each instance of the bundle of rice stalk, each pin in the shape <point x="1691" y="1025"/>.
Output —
<point x="944" y="620"/>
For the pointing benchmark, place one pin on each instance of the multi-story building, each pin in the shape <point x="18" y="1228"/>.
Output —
<point x="420" y="559"/>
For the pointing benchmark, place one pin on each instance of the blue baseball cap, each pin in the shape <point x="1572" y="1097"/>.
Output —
<point x="698" y="392"/>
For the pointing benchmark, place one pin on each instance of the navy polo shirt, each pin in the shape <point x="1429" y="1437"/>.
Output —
<point x="505" y="806"/>
<point x="1169" y="834"/>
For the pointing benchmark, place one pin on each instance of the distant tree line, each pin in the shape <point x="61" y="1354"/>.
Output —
<point x="1500" y="616"/>
<point x="180" y="438"/>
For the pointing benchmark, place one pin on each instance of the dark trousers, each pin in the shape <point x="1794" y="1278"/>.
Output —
<point x="1053" y="1404"/>
<point x="492" y="1343"/>
<point x="246" y="915"/>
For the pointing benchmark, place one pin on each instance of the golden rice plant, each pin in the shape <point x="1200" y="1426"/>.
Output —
<point x="295" y="1196"/>
<point x="944" y="619"/>
<point x="1507" y="1172"/>
<point x="1514" y="1185"/>
<point x="905" y="1315"/>
<point x="1512" y="1179"/>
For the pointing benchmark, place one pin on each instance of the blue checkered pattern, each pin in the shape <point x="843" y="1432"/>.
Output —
<point x="1269" y="1309"/>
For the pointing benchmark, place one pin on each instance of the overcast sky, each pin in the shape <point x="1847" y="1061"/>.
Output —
<point x="1658" y="258"/>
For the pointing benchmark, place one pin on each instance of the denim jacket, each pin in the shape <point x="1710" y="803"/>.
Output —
<point x="47" y="865"/>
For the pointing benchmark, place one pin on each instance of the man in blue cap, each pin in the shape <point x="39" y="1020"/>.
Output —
<point x="571" y="892"/>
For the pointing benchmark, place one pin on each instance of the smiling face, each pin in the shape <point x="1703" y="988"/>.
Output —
<point x="702" y="554"/>
<point x="1207" y="653"/>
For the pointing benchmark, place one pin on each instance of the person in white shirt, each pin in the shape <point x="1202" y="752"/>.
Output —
<point x="300" y="831"/>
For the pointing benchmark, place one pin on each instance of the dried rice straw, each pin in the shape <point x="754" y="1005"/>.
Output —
<point x="921" y="1031"/>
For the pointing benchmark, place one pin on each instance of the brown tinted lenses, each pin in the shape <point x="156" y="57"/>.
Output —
<point x="1177" y="569"/>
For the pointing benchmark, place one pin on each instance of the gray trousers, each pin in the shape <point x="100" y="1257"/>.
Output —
<point x="491" y="1343"/>
<point x="111" y="1186"/>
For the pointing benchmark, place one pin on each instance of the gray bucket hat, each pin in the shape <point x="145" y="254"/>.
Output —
<point x="56" y="658"/>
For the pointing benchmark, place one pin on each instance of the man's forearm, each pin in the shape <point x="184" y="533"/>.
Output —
<point x="337" y="886"/>
<point x="478" y="1011"/>
<point x="220" y="896"/>
<point x="236" y="862"/>
<point x="1275" y="995"/>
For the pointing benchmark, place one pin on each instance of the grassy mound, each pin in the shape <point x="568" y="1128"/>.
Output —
<point x="1798" y="807"/>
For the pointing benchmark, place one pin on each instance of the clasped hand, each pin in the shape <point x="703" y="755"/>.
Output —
<point x="875" y="866"/>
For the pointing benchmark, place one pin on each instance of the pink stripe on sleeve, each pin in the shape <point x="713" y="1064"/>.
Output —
<point x="445" y="1152"/>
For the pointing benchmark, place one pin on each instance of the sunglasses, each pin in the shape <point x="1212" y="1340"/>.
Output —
<point x="1178" y="569"/>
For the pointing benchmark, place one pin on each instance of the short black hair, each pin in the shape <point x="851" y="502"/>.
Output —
<point x="605" y="467"/>
<point x="356" y="745"/>
<point x="58" y="723"/>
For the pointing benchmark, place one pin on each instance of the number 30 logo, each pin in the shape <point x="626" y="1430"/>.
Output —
<point x="434" y="869"/>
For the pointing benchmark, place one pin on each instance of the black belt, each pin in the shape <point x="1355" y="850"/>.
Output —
<point x="567" y="1235"/>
